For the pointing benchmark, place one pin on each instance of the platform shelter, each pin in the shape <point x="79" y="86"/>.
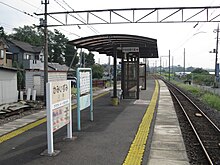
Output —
<point x="128" y="48"/>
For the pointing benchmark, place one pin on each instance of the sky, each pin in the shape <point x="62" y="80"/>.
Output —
<point x="198" y="41"/>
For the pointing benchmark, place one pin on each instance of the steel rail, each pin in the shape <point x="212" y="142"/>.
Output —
<point x="216" y="127"/>
<point x="194" y="130"/>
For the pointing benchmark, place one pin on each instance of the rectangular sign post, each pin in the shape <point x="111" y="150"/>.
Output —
<point x="84" y="93"/>
<point x="59" y="111"/>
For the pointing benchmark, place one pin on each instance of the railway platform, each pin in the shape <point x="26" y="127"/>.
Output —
<point x="144" y="131"/>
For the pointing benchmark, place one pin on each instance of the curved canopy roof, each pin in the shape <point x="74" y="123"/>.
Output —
<point x="105" y="44"/>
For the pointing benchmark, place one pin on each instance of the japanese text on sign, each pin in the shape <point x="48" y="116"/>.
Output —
<point x="84" y="82"/>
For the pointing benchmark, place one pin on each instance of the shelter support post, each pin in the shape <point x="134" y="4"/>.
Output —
<point x="138" y="78"/>
<point x="115" y="98"/>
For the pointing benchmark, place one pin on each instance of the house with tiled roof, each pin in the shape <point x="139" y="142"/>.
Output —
<point x="30" y="57"/>
<point x="8" y="76"/>
<point x="32" y="60"/>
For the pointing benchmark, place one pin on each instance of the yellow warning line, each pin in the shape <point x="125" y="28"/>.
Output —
<point x="21" y="130"/>
<point x="34" y="124"/>
<point x="136" y="151"/>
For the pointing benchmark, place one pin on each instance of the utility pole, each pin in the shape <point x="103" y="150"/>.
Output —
<point x="216" y="61"/>
<point x="45" y="47"/>
<point x="172" y="66"/>
<point x="184" y="58"/>
<point x="169" y="65"/>
<point x="160" y="65"/>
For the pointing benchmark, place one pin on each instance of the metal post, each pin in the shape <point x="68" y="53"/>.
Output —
<point x="160" y="65"/>
<point x="45" y="48"/>
<point x="169" y="65"/>
<point x="216" y="61"/>
<point x="184" y="58"/>
<point x="115" y="74"/>
<point x="138" y="83"/>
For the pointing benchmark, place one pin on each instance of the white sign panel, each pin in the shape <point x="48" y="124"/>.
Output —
<point x="84" y="82"/>
<point x="130" y="49"/>
<point x="58" y="110"/>
<point x="60" y="103"/>
<point x="84" y="93"/>
<point x="84" y="101"/>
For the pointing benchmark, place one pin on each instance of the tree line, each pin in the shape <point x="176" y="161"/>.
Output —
<point x="59" y="50"/>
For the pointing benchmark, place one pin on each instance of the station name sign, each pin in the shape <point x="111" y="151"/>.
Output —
<point x="130" y="49"/>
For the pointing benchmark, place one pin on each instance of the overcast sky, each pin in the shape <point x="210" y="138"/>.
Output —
<point x="197" y="41"/>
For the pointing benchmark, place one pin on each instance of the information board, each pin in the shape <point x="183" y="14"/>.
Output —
<point x="84" y="93"/>
<point x="58" y="109"/>
<point x="84" y="82"/>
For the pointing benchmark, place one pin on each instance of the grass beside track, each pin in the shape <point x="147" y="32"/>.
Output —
<point x="209" y="98"/>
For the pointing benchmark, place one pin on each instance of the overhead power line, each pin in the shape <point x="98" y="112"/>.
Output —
<point x="52" y="18"/>
<point x="24" y="12"/>
<point x="90" y="27"/>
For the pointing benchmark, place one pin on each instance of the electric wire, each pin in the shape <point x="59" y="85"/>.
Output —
<point x="192" y="35"/>
<point x="90" y="27"/>
<point x="71" y="33"/>
<point x="24" y="12"/>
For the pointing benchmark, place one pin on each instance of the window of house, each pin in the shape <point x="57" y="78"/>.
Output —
<point x="36" y="57"/>
<point x="2" y="53"/>
<point x="27" y="56"/>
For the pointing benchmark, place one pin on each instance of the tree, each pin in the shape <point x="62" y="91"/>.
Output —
<point x="58" y="47"/>
<point x="89" y="59"/>
<point x="57" y="42"/>
<point x="20" y="75"/>
<point x="2" y="32"/>
<point x="200" y="71"/>
<point x="97" y="71"/>
<point x="28" y="34"/>
<point x="69" y="55"/>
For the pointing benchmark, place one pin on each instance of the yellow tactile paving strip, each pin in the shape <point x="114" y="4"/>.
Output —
<point x="34" y="124"/>
<point x="136" y="151"/>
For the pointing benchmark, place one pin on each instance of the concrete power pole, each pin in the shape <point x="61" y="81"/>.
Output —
<point x="46" y="2"/>
<point x="216" y="61"/>
<point x="184" y="61"/>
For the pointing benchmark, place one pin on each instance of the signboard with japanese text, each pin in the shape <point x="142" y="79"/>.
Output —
<point x="58" y="109"/>
<point x="84" y="82"/>
<point x="130" y="49"/>
<point x="60" y="103"/>
<point x="84" y="93"/>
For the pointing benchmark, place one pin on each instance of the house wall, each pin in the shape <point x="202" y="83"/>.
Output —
<point x="3" y="60"/>
<point x="52" y="76"/>
<point x="15" y="50"/>
<point x="8" y="86"/>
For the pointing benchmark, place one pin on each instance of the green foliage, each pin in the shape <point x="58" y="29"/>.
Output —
<point x="20" y="75"/>
<point x="202" y="79"/>
<point x="58" y="49"/>
<point x="2" y="32"/>
<point x="97" y="71"/>
<point x="28" y="34"/>
<point x="194" y="90"/>
<point x="200" y="71"/>
<point x="212" y="100"/>
<point x="69" y="55"/>
<point x="89" y="59"/>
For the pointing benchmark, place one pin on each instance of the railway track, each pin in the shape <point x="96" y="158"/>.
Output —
<point x="204" y="129"/>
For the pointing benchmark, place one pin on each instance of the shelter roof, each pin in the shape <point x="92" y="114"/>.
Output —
<point x="105" y="44"/>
